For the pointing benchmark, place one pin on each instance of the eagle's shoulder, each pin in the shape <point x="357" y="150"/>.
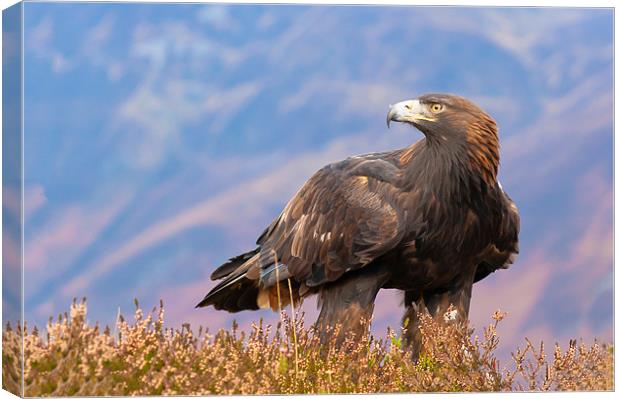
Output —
<point x="381" y="166"/>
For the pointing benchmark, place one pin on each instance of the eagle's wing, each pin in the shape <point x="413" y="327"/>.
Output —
<point x="341" y="219"/>
<point x="502" y="253"/>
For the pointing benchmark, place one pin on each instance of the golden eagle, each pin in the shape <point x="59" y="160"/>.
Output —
<point x="429" y="219"/>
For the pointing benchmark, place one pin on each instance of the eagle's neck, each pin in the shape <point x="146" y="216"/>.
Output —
<point x="483" y="149"/>
<point x="452" y="171"/>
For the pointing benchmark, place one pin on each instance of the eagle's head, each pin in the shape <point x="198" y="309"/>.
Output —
<point x="442" y="114"/>
<point x="454" y="123"/>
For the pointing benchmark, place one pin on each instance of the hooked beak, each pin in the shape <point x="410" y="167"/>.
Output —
<point x="407" y="111"/>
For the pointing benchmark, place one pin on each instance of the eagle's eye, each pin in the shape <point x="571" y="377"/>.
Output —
<point x="436" y="108"/>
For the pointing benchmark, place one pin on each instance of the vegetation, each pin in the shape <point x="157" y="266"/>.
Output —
<point x="144" y="358"/>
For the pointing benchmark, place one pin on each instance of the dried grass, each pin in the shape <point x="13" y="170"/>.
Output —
<point x="144" y="358"/>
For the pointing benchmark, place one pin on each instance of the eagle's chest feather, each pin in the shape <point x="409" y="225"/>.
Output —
<point x="445" y="239"/>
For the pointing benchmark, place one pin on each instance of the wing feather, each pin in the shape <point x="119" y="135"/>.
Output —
<point x="503" y="251"/>
<point x="343" y="218"/>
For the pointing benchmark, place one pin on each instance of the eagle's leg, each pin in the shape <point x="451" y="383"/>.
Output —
<point x="459" y="299"/>
<point x="347" y="306"/>
<point x="412" y="338"/>
<point x="437" y="305"/>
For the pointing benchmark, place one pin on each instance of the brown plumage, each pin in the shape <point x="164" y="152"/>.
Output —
<point x="430" y="220"/>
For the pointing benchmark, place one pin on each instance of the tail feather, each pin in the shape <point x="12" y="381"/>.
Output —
<point x="237" y="291"/>
<point x="250" y="282"/>
<point x="238" y="294"/>
<point x="232" y="264"/>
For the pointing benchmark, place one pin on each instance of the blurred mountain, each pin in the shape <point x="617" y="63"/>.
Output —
<point x="161" y="139"/>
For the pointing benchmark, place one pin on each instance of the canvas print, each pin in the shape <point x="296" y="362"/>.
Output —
<point x="217" y="199"/>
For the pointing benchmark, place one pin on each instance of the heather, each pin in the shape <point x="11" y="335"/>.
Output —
<point x="143" y="357"/>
